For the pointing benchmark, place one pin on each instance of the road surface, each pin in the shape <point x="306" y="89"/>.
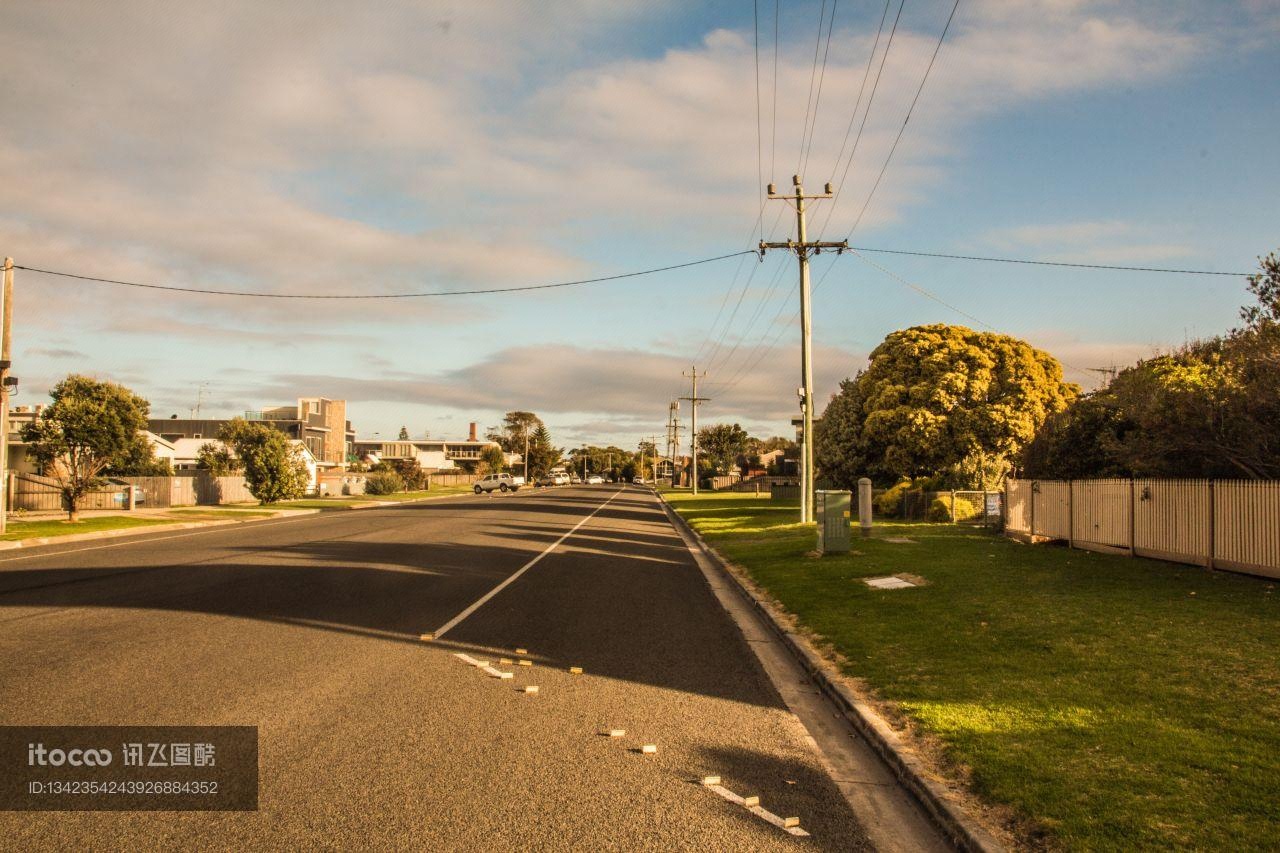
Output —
<point x="369" y="737"/>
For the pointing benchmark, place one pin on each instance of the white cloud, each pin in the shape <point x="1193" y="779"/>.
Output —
<point x="322" y="147"/>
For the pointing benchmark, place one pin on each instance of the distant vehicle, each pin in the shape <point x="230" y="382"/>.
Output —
<point x="554" y="478"/>
<point x="574" y="478"/>
<point x="639" y="481"/>
<point x="498" y="482"/>
<point x="595" y="480"/>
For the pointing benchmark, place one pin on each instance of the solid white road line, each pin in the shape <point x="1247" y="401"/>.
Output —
<point x="440" y="632"/>
<point x="758" y="811"/>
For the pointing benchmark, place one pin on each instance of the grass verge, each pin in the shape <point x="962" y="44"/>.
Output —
<point x="215" y="514"/>
<point x="433" y="492"/>
<point x="317" y="503"/>
<point x="15" y="530"/>
<point x="1115" y="703"/>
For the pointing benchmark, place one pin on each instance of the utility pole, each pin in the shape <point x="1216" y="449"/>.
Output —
<point x="526" y="455"/>
<point x="6" y="341"/>
<point x="803" y="248"/>
<point x="676" y="427"/>
<point x="673" y="440"/>
<point x="694" y="400"/>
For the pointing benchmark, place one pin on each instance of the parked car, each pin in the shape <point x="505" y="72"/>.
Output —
<point x="639" y="481"/>
<point x="499" y="482"/>
<point x="556" y="478"/>
<point x="595" y="480"/>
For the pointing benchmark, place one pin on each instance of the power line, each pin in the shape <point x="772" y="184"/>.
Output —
<point x="813" y="75"/>
<point x="773" y="146"/>
<point x="822" y="76"/>
<point x="423" y="294"/>
<point x="755" y="19"/>
<point x="910" y="110"/>
<point x="1046" y="263"/>
<point x="918" y="289"/>
<point x="875" y="86"/>
<point x="866" y="75"/>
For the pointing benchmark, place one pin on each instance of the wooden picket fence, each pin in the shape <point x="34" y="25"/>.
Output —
<point x="34" y="493"/>
<point x="1222" y="524"/>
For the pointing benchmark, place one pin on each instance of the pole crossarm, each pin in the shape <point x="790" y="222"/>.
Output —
<point x="814" y="247"/>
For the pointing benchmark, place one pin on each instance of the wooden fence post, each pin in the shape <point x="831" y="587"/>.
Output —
<point x="1212" y="524"/>
<point x="1132" y="513"/>
<point x="1071" y="514"/>
<point x="1031" y="513"/>
<point x="953" y="506"/>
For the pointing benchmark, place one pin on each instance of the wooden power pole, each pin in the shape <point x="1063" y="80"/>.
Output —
<point x="6" y="344"/>
<point x="694" y="400"/>
<point x="803" y="248"/>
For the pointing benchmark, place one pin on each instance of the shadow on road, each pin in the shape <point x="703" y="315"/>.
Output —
<point x="621" y="597"/>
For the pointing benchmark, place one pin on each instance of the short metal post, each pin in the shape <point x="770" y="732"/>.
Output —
<point x="864" y="507"/>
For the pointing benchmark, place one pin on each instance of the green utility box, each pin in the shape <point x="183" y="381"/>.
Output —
<point x="833" y="521"/>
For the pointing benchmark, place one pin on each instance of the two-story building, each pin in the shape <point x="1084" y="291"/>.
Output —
<point x="432" y="454"/>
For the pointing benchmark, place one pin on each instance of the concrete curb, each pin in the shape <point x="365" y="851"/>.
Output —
<point x="149" y="528"/>
<point x="939" y="798"/>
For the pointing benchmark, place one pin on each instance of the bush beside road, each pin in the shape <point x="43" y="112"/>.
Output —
<point x="1111" y="703"/>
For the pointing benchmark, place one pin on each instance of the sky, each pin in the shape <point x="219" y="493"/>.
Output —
<point x="338" y="148"/>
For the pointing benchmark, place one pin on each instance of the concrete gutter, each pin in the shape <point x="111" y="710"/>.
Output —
<point x="939" y="798"/>
<point x="149" y="528"/>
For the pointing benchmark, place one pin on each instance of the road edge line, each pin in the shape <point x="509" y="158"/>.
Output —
<point x="938" y="799"/>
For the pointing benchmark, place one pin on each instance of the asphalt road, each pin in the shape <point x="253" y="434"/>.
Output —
<point x="370" y="738"/>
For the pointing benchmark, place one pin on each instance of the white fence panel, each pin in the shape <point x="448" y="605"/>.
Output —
<point x="1101" y="513"/>
<point x="1172" y="520"/>
<point x="1226" y="524"/>
<point x="1247" y="526"/>
<point x="1052" y="500"/>
<point x="1017" y="502"/>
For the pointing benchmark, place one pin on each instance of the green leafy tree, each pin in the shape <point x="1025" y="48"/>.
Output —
<point x="940" y="399"/>
<point x="89" y="426"/>
<point x="492" y="458"/>
<point x="217" y="459"/>
<point x="273" y="468"/>
<point x="383" y="483"/>
<point x="404" y="433"/>
<point x="412" y="477"/>
<point x="1209" y="409"/>
<point x="721" y="445"/>
<point x="515" y="426"/>
<point x="543" y="455"/>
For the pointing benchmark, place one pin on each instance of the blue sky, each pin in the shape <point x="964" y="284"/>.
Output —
<point x="322" y="148"/>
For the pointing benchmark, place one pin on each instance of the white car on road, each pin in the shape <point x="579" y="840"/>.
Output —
<point x="498" y="482"/>
<point x="595" y="480"/>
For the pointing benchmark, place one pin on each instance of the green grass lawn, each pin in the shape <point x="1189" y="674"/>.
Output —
<point x="434" y="492"/>
<point x="317" y="503"/>
<point x="218" y="513"/>
<point x="36" y="529"/>
<point x="1119" y="703"/>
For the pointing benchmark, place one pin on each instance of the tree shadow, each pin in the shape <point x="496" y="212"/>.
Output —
<point x="623" y="599"/>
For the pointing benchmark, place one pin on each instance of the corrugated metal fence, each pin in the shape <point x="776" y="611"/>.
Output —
<point x="1224" y="524"/>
